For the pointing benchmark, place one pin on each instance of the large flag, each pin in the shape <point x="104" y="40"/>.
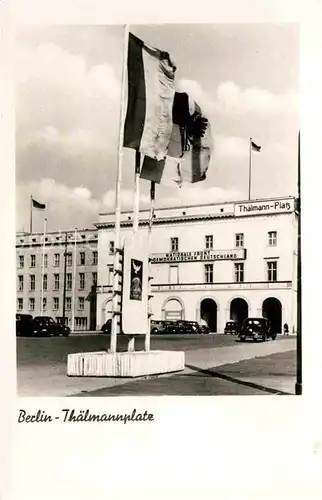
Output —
<point x="255" y="147"/>
<point x="148" y="122"/>
<point x="36" y="204"/>
<point x="190" y="146"/>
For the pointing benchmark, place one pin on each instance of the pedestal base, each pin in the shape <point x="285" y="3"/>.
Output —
<point x="124" y="364"/>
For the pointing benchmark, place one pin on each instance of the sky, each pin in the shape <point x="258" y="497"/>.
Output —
<point x="245" y="77"/>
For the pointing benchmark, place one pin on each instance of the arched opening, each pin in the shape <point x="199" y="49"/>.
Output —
<point x="272" y="310"/>
<point x="238" y="310"/>
<point x="208" y="313"/>
<point x="173" y="310"/>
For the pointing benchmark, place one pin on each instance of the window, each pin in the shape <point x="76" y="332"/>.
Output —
<point x="56" y="281"/>
<point x="44" y="282"/>
<point x="174" y="274"/>
<point x="81" y="303"/>
<point x="94" y="258"/>
<point x="32" y="304"/>
<point x="56" y="303"/>
<point x="32" y="260"/>
<point x="68" y="303"/>
<point x="111" y="247"/>
<point x="20" y="283"/>
<point x="209" y="273"/>
<point x="46" y="260"/>
<point x="239" y="272"/>
<point x="272" y="270"/>
<point x="69" y="259"/>
<point x="32" y="282"/>
<point x="21" y="261"/>
<point x="94" y="278"/>
<point x="69" y="281"/>
<point x="82" y="281"/>
<point x="209" y="241"/>
<point x="82" y="258"/>
<point x="174" y="244"/>
<point x="239" y="240"/>
<point x="272" y="238"/>
<point x="20" y="304"/>
<point x="56" y="259"/>
<point x="44" y="304"/>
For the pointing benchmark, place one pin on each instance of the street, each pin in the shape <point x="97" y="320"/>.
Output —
<point x="214" y="365"/>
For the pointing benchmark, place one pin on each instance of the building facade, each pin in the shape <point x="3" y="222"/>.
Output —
<point x="213" y="263"/>
<point x="51" y="282"/>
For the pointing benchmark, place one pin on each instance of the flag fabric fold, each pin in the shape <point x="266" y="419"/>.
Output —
<point x="190" y="146"/>
<point x="148" y="122"/>
<point x="255" y="147"/>
<point x="36" y="204"/>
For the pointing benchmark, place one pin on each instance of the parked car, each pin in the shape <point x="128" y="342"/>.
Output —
<point x="47" y="326"/>
<point x="161" y="326"/>
<point x="23" y="324"/>
<point x="107" y="327"/>
<point x="256" y="328"/>
<point x="184" y="327"/>
<point x="232" y="327"/>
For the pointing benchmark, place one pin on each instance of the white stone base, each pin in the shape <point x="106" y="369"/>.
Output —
<point x="124" y="364"/>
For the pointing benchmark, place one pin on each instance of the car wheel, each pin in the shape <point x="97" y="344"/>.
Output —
<point x="242" y="338"/>
<point x="264" y="338"/>
<point x="154" y="331"/>
<point x="274" y="336"/>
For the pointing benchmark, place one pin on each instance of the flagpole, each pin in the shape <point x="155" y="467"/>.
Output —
<point x="43" y="268"/>
<point x="30" y="227"/>
<point x="250" y="167"/>
<point x="136" y="209"/>
<point x="136" y="204"/>
<point x="74" y="281"/>
<point x="298" y="385"/>
<point x="152" y="204"/>
<point x="116" y="267"/>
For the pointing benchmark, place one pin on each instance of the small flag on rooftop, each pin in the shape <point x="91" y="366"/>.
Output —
<point x="36" y="204"/>
<point x="255" y="147"/>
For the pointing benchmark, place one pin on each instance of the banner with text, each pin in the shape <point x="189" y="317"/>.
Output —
<point x="200" y="255"/>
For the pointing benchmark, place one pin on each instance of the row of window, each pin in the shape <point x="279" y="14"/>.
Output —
<point x="239" y="273"/>
<point x="57" y="259"/>
<point x="57" y="281"/>
<point x="56" y="303"/>
<point x="239" y="241"/>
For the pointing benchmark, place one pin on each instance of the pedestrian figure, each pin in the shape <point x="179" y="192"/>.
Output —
<point x="285" y="328"/>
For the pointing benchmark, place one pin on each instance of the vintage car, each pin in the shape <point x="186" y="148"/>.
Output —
<point x="23" y="324"/>
<point x="232" y="327"/>
<point x="256" y="329"/>
<point x="46" y="326"/>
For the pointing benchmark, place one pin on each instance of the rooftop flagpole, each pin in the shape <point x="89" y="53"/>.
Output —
<point x="250" y="168"/>
<point x="116" y="311"/>
<point x="30" y="227"/>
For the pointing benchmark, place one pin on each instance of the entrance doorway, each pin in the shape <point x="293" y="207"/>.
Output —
<point x="238" y="310"/>
<point x="208" y="313"/>
<point x="272" y="310"/>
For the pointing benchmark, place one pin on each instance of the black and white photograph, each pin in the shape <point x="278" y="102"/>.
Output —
<point x="182" y="141"/>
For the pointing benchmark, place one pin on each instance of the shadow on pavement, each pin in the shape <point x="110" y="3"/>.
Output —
<point x="253" y="385"/>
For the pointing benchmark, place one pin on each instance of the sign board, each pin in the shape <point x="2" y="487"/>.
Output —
<point x="264" y="207"/>
<point x="135" y="287"/>
<point x="201" y="255"/>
